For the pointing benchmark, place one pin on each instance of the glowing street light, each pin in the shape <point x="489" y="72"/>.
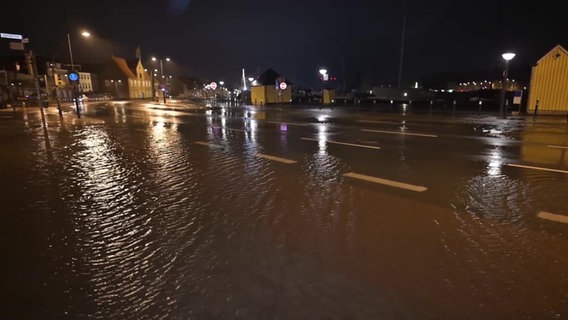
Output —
<point x="507" y="56"/>
<point x="162" y="73"/>
<point x="85" y="34"/>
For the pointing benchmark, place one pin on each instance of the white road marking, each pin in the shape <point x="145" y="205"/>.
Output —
<point x="345" y="143"/>
<point x="402" y="133"/>
<point x="291" y="123"/>
<point x="386" y="182"/>
<point x="230" y="129"/>
<point x="277" y="159"/>
<point x="557" y="147"/>
<point x="553" y="217"/>
<point x="207" y="144"/>
<point x="536" y="168"/>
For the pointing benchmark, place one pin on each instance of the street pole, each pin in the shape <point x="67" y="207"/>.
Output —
<point x="507" y="57"/>
<point x="70" y="51"/>
<point x="502" y="96"/>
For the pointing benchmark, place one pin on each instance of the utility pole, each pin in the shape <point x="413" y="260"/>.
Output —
<point x="402" y="48"/>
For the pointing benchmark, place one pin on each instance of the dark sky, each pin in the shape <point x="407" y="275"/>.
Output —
<point x="214" y="39"/>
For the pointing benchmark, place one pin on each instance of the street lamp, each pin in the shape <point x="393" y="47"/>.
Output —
<point x="508" y="56"/>
<point x="162" y="73"/>
<point x="85" y="34"/>
<point x="74" y="95"/>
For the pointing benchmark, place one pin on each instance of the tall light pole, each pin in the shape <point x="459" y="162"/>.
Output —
<point x="323" y="72"/>
<point x="508" y="56"/>
<point x="163" y="75"/>
<point x="85" y="34"/>
<point x="74" y="94"/>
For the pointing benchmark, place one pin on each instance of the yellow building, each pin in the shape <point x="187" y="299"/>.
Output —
<point x="267" y="90"/>
<point x="328" y="96"/>
<point x="124" y="81"/>
<point x="549" y="83"/>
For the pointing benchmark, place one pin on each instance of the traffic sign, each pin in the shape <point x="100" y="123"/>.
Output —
<point x="213" y="85"/>
<point x="73" y="76"/>
<point x="17" y="46"/>
<point x="11" y="36"/>
<point x="283" y="85"/>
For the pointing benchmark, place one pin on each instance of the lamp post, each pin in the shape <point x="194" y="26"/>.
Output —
<point x="324" y="76"/>
<point x="74" y="95"/>
<point x="85" y="34"/>
<point x="508" y="56"/>
<point x="162" y="74"/>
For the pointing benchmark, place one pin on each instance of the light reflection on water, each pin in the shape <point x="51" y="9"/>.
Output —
<point x="167" y="228"/>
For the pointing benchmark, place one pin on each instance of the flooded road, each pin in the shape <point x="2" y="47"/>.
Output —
<point x="132" y="212"/>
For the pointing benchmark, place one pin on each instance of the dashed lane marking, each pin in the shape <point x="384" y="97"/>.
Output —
<point x="536" y="168"/>
<point x="402" y="133"/>
<point x="277" y="159"/>
<point x="552" y="217"/>
<point x="390" y="183"/>
<point x="345" y="143"/>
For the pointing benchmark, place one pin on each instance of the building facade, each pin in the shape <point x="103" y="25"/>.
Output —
<point x="549" y="83"/>
<point x="266" y="89"/>
<point x="121" y="81"/>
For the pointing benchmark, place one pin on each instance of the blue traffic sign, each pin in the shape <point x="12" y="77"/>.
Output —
<point x="73" y="76"/>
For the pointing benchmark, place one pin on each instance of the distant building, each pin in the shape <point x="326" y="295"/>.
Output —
<point x="118" y="79"/>
<point x="85" y="82"/>
<point x="266" y="89"/>
<point x="549" y="83"/>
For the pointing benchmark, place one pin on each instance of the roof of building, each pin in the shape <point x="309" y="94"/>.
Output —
<point x="553" y="50"/>
<point x="270" y="77"/>
<point x="123" y="66"/>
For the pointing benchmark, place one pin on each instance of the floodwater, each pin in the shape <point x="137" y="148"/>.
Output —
<point x="138" y="213"/>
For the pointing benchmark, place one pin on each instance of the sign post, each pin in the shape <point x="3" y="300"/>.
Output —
<point x="73" y="76"/>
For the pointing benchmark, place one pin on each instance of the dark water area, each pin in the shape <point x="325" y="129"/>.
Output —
<point x="136" y="213"/>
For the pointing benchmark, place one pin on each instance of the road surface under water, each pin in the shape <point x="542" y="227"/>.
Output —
<point x="132" y="212"/>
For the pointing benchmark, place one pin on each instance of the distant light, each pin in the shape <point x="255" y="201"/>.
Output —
<point x="250" y="79"/>
<point x="323" y="72"/>
<point x="416" y="85"/>
<point x="85" y="34"/>
<point x="508" y="56"/>
<point x="221" y="82"/>
<point x="168" y="59"/>
<point x="154" y="59"/>
<point x="406" y="94"/>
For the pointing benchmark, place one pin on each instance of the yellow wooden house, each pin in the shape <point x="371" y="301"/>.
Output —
<point x="267" y="89"/>
<point x="549" y="83"/>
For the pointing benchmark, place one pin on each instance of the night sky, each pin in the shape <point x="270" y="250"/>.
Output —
<point x="215" y="39"/>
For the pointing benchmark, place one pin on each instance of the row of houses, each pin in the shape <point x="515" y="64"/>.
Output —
<point x="129" y="79"/>
<point x="118" y="77"/>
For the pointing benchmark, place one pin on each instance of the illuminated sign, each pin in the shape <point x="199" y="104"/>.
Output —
<point x="73" y="76"/>
<point x="11" y="36"/>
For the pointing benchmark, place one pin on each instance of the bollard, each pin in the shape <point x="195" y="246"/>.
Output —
<point x="535" y="110"/>
<point x="431" y="106"/>
<point x="454" y="106"/>
<point x="479" y="109"/>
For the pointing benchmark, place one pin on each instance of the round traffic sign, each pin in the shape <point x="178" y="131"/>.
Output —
<point x="283" y="86"/>
<point x="213" y="85"/>
<point x="73" y="76"/>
